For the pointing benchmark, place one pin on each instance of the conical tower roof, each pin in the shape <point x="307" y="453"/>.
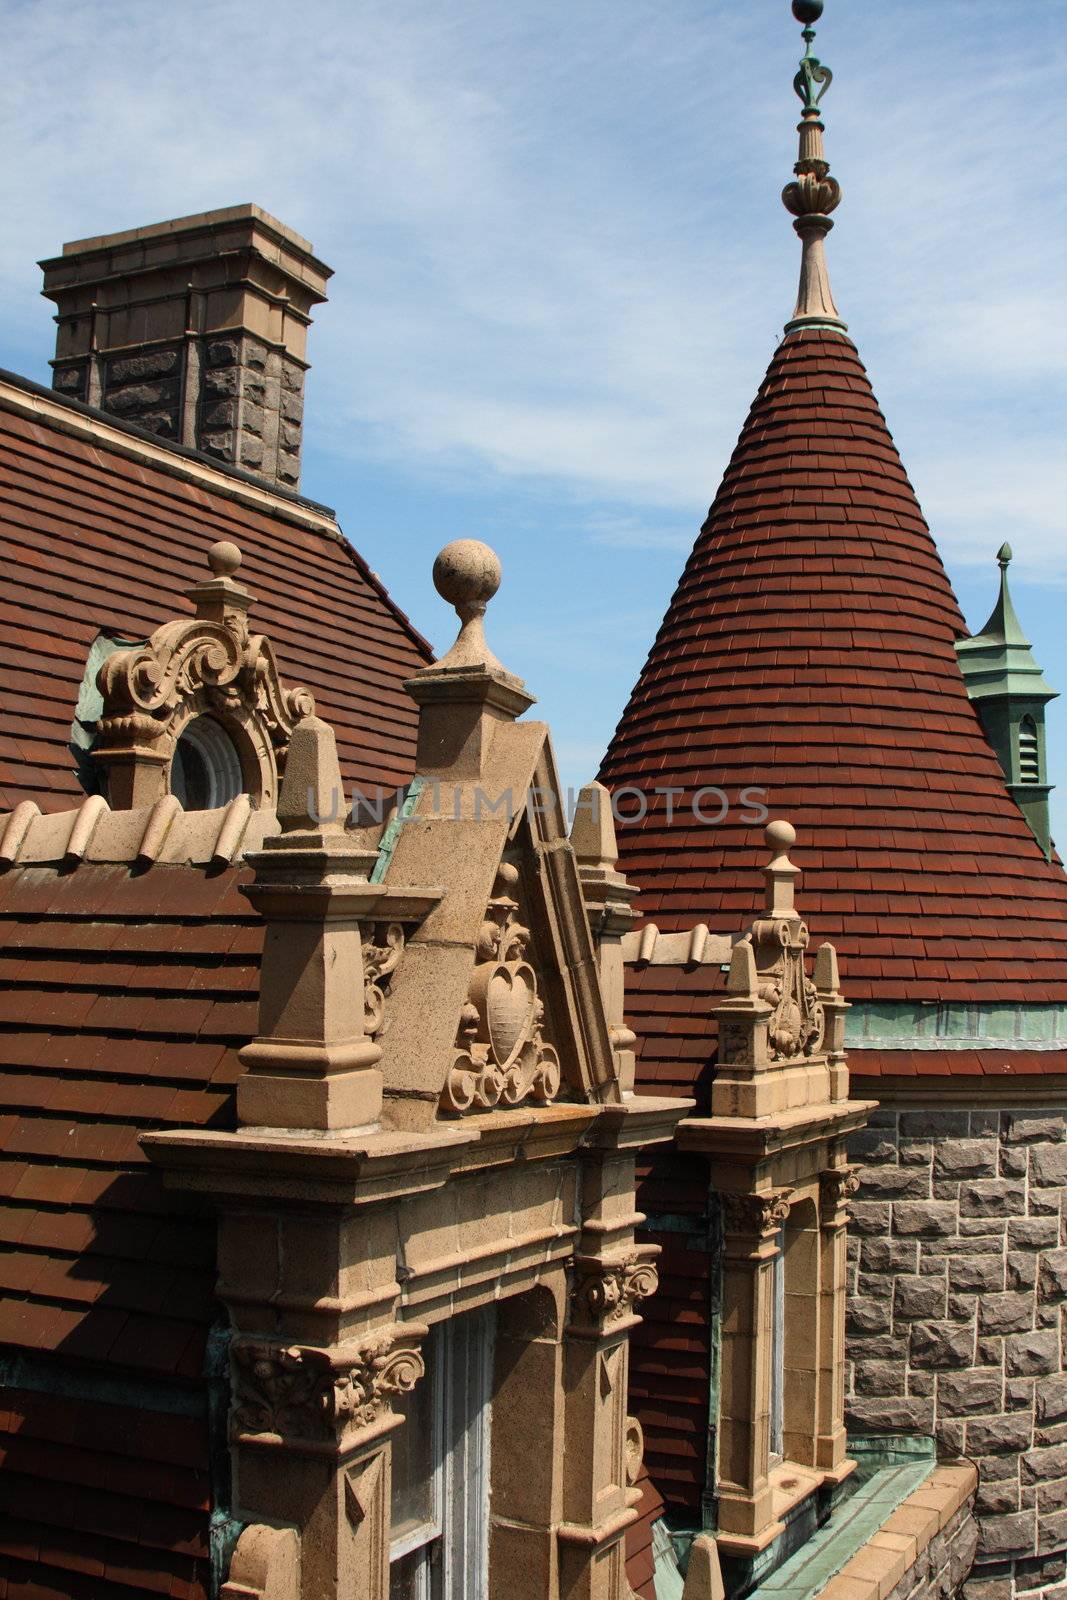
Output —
<point x="809" y="652"/>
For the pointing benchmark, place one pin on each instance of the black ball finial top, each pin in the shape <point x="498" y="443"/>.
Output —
<point x="807" y="11"/>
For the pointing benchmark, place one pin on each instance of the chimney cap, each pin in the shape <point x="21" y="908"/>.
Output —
<point x="196" y="221"/>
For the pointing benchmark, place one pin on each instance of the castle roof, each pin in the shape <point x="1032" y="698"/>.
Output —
<point x="809" y="651"/>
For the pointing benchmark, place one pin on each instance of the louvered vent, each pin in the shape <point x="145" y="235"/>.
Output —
<point x="1029" y="762"/>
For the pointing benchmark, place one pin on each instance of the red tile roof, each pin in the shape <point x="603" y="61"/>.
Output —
<point x="100" y="529"/>
<point x="808" y="651"/>
<point x="866" y="1067"/>
<point x="640" y="1559"/>
<point x="125" y="997"/>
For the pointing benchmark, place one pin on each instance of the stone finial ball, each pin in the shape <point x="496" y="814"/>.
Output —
<point x="780" y="835"/>
<point x="807" y="11"/>
<point x="224" y="558"/>
<point x="467" y="572"/>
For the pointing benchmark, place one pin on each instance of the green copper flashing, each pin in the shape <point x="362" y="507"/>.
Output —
<point x="955" y="1025"/>
<point x="814" y="325"/>
<point x="813" y="77"/>
<point x="1009" y="693"/>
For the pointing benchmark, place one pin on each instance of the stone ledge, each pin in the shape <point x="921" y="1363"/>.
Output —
<point x="885" y="1560"/>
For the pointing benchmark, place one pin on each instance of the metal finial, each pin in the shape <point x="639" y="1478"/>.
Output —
<point x="813" y="78"/>
<point x="813" y="194"/>
<point x="1004" y="555"/>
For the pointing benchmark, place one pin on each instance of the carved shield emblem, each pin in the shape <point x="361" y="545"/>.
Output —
<point x="510" y="1001"/>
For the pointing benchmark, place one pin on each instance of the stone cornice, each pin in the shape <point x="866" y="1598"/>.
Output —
<point x="756" y="1138"/>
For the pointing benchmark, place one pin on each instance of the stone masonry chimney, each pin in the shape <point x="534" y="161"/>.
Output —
<point x="194" y="329"/>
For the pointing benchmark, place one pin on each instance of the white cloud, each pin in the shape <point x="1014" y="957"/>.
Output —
<point x="561" y="259"/>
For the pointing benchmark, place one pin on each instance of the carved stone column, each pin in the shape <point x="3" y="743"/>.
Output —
<point x="597" y="1506"/>
<point x="311" y="1434"/>
<point x="834" y="1005"/>
<point x="314" y="1062"/>
<point x="836" y="1187"/>
<point x="752" y="1223"/>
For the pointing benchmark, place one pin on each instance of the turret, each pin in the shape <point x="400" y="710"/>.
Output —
<point x="1009" y="692"/>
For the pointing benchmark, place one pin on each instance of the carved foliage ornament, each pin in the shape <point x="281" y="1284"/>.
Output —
<point x="755" y="1214"/>
<point x="606" y="1292"/>
<point x="836" y="1188"/>
<point x="297" y="1392"/>
<point x="502" y="1056"/>
<point x="382" y="949"/>
<point x="798" y="1025"/>
<point x="209" y="664"/>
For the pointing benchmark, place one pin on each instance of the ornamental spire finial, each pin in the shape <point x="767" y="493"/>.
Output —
<point x="813" y="194"/>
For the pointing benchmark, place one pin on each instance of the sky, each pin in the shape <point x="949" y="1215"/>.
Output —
<point x="562" y="267"/>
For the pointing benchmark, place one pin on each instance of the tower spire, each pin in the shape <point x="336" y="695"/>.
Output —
<point x="813" y="194"/>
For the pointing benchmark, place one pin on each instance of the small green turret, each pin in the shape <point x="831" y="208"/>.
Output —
<point x="1010" y="695"/>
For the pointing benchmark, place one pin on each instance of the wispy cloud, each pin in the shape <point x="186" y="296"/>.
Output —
<point x="560" y="255"/>
<point x="562" y="265"/>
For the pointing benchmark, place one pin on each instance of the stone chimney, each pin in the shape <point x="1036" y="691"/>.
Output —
<point x="194" y="329"/>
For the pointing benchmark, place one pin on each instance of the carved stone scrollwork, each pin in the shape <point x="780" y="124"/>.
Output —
<point x="836" y="1188"/>
<point x="146" y="692"/>
<point x="606" y="1291"/>
<point x="758" y="1215"/>
<point x="208" y="665"/>
<point x="382" y="949"/>
<point x="797" y="1026"/>
<point x="502" y="1056"/>
<point x="300" y="1393"/>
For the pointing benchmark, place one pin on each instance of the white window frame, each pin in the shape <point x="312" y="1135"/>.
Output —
<point x="456" y="1536"/>
<point x="777" y="1411"/>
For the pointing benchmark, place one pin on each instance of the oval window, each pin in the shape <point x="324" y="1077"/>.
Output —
<point x="206" y="770"/>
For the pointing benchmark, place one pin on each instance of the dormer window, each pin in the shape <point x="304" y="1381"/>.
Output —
<point x="1029" y="755"/>
<point x="198" y="710"/>
<point x="206" y="769"/>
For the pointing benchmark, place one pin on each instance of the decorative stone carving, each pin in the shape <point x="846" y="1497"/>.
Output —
<point x="755" y="1214"/>
<point x="382" y="950"/>
<point x="501" y="1052"/>
<point x="209" y="665"/>
<point x="836" y="1187"/>
<point x="606" y="1291"/>
<point x="634" y="1449"/>
<point x="303" y="1393"/>
<point x="797" y="1025"/>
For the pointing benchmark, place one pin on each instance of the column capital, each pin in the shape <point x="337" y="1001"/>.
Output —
<point x="837" y="1185"/>
<point x="322" y="1401"/>
<point x="751" y="1221"/>
<point x="607" y="1288"/>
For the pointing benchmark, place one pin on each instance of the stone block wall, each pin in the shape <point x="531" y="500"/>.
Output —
<point x="940" y="1573"/>
<point x="251" y="407"/>
<point x="957" y="1296"/>
<point x="231" y="396"/>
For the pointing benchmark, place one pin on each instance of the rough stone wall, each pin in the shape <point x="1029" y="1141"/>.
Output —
<point x="957" y="1290"/>
<point x="252" y="407"/>
<point x="941" y="1569"/>
<point x="249" y="405"/>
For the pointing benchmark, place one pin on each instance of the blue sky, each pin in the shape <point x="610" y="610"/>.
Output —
<point x="562" y="266"/>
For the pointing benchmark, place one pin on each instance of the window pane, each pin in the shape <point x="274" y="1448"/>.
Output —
<point x="778" y="1353"/>
<point x="411" y="1577"/>
<point x="416" y="1452"/>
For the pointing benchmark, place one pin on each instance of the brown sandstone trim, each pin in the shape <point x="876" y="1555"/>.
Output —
<point x="885" y="1561"/>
